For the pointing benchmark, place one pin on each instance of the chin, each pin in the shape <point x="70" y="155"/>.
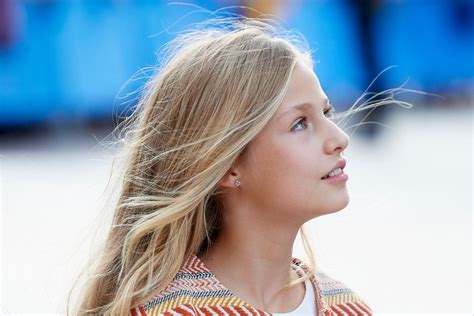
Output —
<point x="344" y="202"/>
<point x="335" y="209"/>
<point x="336" y="206"/>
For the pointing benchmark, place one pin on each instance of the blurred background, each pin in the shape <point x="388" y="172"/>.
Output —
<point x="70" y="70"/>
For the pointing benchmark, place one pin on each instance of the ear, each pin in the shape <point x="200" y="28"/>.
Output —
<point x="235" y="172"/>
<point x="228" y="180"/>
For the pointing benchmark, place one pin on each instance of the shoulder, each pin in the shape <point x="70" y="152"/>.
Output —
<point x="335" y="296"/>
<point x="193" y="287"/>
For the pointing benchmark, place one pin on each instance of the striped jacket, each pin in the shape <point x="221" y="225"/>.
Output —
<point x="195" y="290"/>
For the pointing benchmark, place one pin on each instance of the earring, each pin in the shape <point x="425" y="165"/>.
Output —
<point x="236" y="183"/>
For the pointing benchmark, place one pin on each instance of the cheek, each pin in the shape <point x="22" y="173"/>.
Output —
<point x="272" y="166"/>
<point x="291" y="171"/>
<point x="300" y="159"/>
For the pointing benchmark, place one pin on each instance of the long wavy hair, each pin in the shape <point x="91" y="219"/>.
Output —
<point x="214" y="91"/>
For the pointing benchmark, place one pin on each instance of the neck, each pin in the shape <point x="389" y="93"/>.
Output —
<point x="252" y="258"/>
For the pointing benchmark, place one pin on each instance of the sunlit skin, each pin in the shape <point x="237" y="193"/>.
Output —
<point x="281" y="189"/>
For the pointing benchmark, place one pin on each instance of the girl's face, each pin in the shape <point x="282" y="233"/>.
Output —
<point x="282" y="176"/>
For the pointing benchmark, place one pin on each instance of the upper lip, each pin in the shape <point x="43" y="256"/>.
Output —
<point x="340" y="164"/>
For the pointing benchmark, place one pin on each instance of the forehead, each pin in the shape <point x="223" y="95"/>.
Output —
<point x="304" y="91"/>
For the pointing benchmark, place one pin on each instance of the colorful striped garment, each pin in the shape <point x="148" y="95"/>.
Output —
<point x="195" y="290"/>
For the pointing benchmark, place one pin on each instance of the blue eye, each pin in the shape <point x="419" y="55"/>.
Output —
<point x="300" y="121"/>
<point x="329" y="112"/>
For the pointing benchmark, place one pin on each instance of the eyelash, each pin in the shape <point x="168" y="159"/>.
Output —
<point x="330" y="110"/>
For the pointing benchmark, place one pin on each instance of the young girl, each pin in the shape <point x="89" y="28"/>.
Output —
<point x="233" y="147"/>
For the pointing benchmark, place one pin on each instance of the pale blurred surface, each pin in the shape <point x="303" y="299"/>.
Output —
<point x="404" y="243"/>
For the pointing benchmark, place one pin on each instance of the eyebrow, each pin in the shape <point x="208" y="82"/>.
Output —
<point x="301" y="106"/>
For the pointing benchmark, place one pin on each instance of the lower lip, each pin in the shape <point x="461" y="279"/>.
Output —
<point x="339" y="178"/>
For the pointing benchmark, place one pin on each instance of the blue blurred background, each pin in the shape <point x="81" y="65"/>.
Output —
<point x="80" y="60"/>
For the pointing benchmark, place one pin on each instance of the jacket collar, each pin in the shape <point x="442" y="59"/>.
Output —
<point x="322" y="305"/>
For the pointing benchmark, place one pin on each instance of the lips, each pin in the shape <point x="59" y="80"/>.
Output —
<point x="340" y="164"/>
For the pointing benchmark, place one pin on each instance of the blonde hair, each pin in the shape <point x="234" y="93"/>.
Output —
<point x="214" y="92"/>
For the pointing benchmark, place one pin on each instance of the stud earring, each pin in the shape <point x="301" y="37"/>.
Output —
<point x="236" y="183"/>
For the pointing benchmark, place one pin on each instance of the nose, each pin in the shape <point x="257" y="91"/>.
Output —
<point x="336" y="139"/>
